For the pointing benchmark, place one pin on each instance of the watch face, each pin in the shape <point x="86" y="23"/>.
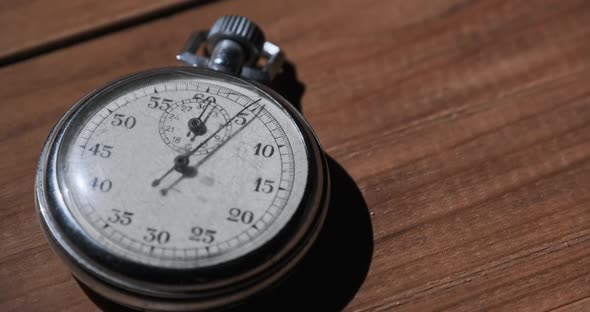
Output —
<point x="182" y="170"/>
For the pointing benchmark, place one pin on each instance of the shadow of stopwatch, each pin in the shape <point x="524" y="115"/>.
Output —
<point x="336" y="266"/>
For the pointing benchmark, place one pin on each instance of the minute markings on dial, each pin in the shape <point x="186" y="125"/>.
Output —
<point x="192" y="251"/>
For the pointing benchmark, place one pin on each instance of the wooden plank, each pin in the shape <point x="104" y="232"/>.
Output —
<point x="464" y="123"/>
<point x="31" y="27"/>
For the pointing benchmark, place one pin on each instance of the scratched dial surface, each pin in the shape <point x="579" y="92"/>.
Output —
<point x="183" y="172"/>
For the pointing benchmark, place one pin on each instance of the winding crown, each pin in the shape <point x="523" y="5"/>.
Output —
<point x="241" y="30"/>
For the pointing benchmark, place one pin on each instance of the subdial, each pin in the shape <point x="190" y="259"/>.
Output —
<point x="189" y="122"/>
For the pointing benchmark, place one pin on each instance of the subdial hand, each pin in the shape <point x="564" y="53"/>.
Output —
<point x="191" y="171"/>
<point x="197" y="126"/>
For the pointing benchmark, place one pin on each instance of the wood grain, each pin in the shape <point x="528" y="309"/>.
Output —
<point x="30" y="27"/>
<point x="466" y="124"/>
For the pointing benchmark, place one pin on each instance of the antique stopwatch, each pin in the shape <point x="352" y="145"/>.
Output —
<point x="187" y="188"/>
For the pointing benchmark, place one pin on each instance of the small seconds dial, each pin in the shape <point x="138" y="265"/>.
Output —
<point x="186" y="123"/>
<point x="184" y="173"/>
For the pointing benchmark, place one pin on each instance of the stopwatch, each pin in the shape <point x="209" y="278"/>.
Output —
<point x="185" y="188"/>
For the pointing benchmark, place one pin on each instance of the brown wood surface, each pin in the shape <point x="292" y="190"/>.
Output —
<point x="466" y="125"/>
<point x="29" y="26"/>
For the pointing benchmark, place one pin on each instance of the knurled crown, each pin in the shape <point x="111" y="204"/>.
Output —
<point x="241" y="30"/>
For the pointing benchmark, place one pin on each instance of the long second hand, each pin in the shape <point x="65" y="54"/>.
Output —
<point x="194" y="150"/>
<point x="156" y="182"/>
<point x="164" y="191"/>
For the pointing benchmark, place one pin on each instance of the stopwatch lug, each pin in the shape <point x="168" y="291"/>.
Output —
<point x="234" y="45"/>
<point x="274" y="63"/>
<point x="189" y="54"/>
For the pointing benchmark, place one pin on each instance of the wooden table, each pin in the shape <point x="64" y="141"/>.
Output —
<point x="464" y="124"/>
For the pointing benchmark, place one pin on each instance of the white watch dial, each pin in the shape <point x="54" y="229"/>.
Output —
<point x="240" y="174"/>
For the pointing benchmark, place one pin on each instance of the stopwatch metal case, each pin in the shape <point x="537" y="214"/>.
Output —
<point x="234" y="45"/>
<point x="152" y="288"/>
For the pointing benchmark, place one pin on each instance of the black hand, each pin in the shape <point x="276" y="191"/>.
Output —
<point x="197" y="126"/>
<point x="194" y="150"/>
<point x="192" y="170"/>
